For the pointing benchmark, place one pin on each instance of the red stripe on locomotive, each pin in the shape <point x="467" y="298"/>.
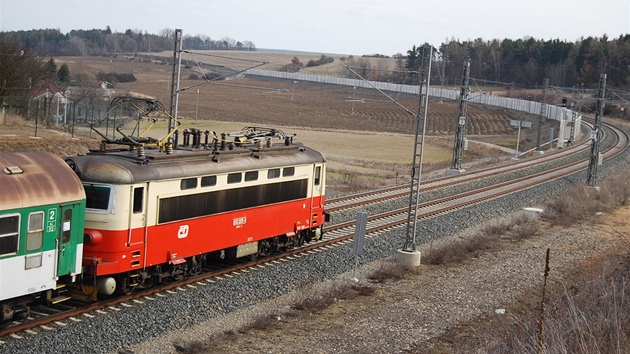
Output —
<point x="186" y="238"/>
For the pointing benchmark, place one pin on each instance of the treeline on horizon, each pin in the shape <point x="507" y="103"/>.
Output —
<point x="518" y="63"/>
<point x="527" y="62"/>
<point x="95" y="42"/>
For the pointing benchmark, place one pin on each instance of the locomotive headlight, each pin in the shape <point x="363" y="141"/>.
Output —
<point x="92" y="238"/>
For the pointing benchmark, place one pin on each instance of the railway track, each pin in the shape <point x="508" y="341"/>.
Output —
<point x="65" y="314"/>
<point x="378" y="195"/>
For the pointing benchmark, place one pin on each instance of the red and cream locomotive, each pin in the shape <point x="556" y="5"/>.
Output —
<point x="160" y="213"/>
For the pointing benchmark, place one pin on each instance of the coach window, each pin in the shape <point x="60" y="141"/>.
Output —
<point x="235" y="177"/>
<point x="288" y="171"/>
<point x="251" y="176"/>
<point x="9" y="229"/>
<point x="35" y="235"/>
<point x="189" y="183"/>
<point x="138" y="197"/>
<point x="273" y="173"/>
<point x="208" y="181"/>
<point x="318" y="173"/>
<point x="67" y="222"/>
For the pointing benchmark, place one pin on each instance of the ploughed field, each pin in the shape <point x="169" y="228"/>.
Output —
<point x="366" y="136"/>
<point x="280" y="102"/>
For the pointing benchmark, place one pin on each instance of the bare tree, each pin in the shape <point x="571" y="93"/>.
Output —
<point x="20" y="72"/>
<point x="249" y="45"/>
<point x="168" y="33"/>
<point x="111" y="43"/>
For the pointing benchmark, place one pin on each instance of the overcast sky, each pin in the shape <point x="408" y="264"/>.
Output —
<point x="331" y="26"/>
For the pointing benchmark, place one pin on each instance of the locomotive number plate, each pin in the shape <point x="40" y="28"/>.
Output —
<point x="239" y="222"/>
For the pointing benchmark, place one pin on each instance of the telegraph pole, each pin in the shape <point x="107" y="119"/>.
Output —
<point x="409" y="255"/>
<point x="543" y="112"/>
<point x="595" y="158"/>
<point x="460" y="136"/>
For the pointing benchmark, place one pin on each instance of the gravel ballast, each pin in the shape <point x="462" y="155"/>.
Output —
<point x="456" y="293"/>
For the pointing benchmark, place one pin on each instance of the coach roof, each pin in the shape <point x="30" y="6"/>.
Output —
<point x="36" y="178"/>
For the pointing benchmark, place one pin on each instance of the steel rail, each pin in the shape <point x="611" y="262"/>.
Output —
<point x="344" y="231"/>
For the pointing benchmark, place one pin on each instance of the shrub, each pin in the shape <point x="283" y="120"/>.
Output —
<point x="114" y="77"/>
<point x="388" y="271"/>
<point x="321" y="61"/>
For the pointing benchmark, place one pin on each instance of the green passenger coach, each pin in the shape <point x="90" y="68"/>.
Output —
<point x="42" y="210"/>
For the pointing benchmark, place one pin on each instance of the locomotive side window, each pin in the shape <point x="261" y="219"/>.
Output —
<point x="273" y="173"/>
<point x="318" y="175"/>
<point x="251" y="176"/>
<point x="138" y="197"/>
<point x="35" y="235"/>
<point x="9" y="231"/>
<point x="226" y="200"/>
<point x="97" y="197"/>
<point x="208" y="181"/>
<point x="288" y="171"/>
<point x="234" y="177"/>
<point x="189" y="183"/>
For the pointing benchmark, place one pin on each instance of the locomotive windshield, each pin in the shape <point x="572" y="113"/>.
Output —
<point x="97" y="197"/>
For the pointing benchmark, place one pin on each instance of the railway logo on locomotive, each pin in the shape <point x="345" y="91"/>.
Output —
<point x="183" y="231"/>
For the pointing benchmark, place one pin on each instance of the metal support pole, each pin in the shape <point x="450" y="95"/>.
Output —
<point x="74" y="116"/>
<point x="197" y="107"/>
<point x="177" y="64"/>
<point x="458" y="149"/>
<point x="575" y="113"/>
<point x="36" y="117"/>
<point x="418" y="149"/>
<point x="595" y="158"/>
<point x="543" y="112"/>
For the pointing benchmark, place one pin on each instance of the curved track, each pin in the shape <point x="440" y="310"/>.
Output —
<point x="616" y="142"/>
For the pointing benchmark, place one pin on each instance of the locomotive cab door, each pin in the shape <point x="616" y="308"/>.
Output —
<point x="318" y="186"/>
<point x="67" y="240"/>
<point x="138" y="215"/>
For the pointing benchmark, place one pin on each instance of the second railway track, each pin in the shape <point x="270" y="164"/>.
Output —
<point x="344" y="231"/>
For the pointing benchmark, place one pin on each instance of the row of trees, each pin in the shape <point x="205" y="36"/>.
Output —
<point x="51" y="42"/>
<point x="526" y="62"/>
